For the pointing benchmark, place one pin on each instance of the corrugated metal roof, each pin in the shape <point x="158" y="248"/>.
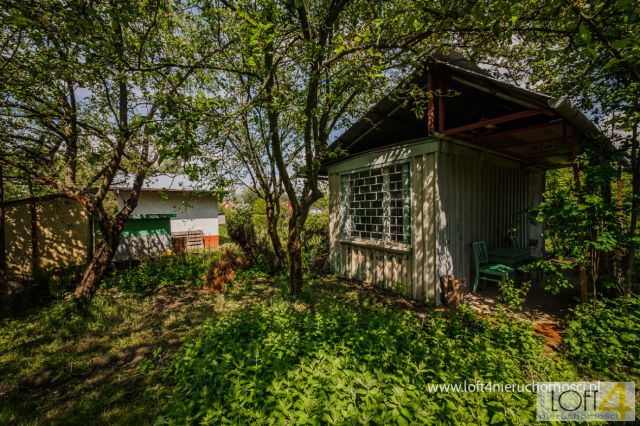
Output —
<point x="519" y="122"/>
<point x="164" y="182"/>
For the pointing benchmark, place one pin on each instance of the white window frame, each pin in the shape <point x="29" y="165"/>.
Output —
<point x="347" y="226"/>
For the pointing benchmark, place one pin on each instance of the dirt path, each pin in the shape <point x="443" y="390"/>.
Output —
<point x="543" y="310"/>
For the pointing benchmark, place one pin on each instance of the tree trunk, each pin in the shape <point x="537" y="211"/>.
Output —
<point x="630" y="261"/>
<point x="602" y="268"/>
<point x="582" y="283"/>
<point x="294" y="246"/>
<point x="630" y="272"/>
<point x="96" y="269"/>
<point x="272" y="229"/>
<point x="295" y="265"/>
<point x="582" y="270"/>
<point x="4" y="288"/>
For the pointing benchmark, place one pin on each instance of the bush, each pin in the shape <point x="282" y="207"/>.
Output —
<point x="247" y="226"/>
<point x="165" y="271"/>
<point x="315" y="241"/>
<point x="57" y="282"/>
<point x="249" y="230"/>
<point x="239" y="222"/>
<point x="605" y="337"/>
<point x="222" y="272"/>
<point x="349" y="363"/>
<point x="511" y="294"/>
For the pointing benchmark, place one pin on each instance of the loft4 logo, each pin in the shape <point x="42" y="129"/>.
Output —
<point x="618" y="393"/>
<point x="585" y="401"/>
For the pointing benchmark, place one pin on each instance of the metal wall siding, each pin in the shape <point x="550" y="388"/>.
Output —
<point x="458" y="196"/>
<point x="481" y="200"/>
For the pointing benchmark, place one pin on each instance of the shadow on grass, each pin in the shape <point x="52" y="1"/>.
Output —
<point x="322" y="351"/>
<point x="58" y="367"/>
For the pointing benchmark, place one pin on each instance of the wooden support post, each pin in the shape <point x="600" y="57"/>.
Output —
<point x="575" y="150"/>
<point x="582" y="281"/>
<point x="441" y="107"/>
<point x="431" y="118"/>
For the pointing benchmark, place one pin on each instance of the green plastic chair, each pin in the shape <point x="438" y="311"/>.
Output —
<point x="484" y="270"/>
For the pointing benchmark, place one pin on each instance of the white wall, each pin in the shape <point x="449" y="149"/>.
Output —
<point x="209" y="226"/>
<point x="193" y="212"/>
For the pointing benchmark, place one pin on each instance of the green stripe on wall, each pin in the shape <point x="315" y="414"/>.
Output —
<point x="146" y="226"/>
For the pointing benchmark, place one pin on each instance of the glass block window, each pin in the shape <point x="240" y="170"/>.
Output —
<point x="379" y="204"/>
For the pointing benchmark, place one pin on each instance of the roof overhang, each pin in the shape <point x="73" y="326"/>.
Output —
<point x="199" y="191"/>
<point x="479" y="110"/>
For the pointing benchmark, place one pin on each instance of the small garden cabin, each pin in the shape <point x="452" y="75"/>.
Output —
<point x="416" y="189"/>
<point x="192" y="207"/>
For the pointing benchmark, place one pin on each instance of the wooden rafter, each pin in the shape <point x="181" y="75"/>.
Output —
<point x="431" y="106"/>
<point x="507" y="134"/>
<point x="542" y="155"/>
<point x="441" y="108"/>
<point x="517" y="144"/>
<point x="496" y="120"/>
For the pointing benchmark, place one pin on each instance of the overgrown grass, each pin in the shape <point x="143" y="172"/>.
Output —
<point x="152" y="344"/>
<point x="605" y="337"/>
<point x="345" y="358"/>
<point x="224" y="234"/>
<point x="189" y="270"/>
<point x="59" y="367"/>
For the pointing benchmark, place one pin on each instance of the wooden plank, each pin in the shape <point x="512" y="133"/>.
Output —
<point x="511" y="143"/>
<point x="374" y="266"/>
<point x="430" y="106"/>
<point x="394" y="270"/>
<point x="35" y="255"/>
<point x="508" y="134"/>
<point x="388" y="270"/>
<point x="353" y="264"/>
<point x="407" y="274"/>
<point x="367" y="264"/>
<point x="380" y="157"/>
<point x="192" y="239"/>
<point x="347" y="262"/>
<point x="441" y="107"/>
<point x="343" y="260"/>
<point x="379" y="268"/>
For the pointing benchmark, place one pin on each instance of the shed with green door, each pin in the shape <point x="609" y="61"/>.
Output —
<point x="145" y="236"/>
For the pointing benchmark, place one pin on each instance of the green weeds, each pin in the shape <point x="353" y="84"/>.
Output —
<point x="605" y="336"/>
<point x="350" y="360"/>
